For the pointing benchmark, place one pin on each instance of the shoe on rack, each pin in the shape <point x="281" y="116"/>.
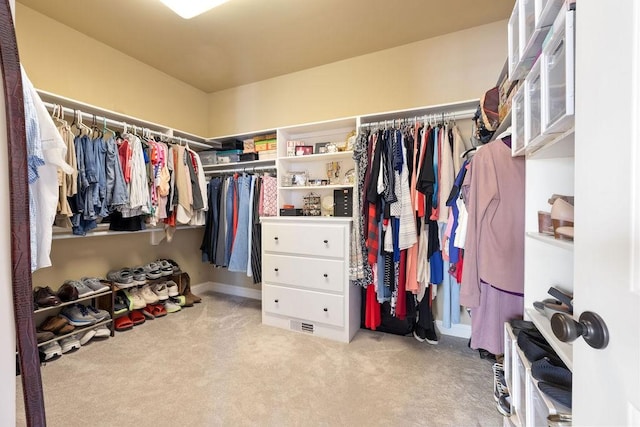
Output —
<point x="504" y="405"/>
<point x="562" y="217"/>
<point x="137" y="317"/>
<point x="43" y="336"/>
<point x="52" y="350"/>
<point x="171" y="306"/>
<point x="99" y="314"/>
<point x="120" y="303"/>
<point x="54" y="324"/>
<point x="139" y="276"/>
<point x="499" y="382"/>
<point x="78" y="315"/>
<point x="172" y="288"/>
<point x="95" y="284"/>
<point x="70" y="343"/>
<point x="148" y="295"/>
<point x="152" y="270"/>
<point x="181" y="300"/>
<point x="123" y="323"/>
<point x="174" y="265"/>
<point x="122" y="278"/>
<point x="83" y="290"/>
<point x="102" y="332"/>
<point x="43" y="296"/>
<point x="87" y="336"/>
<point x="137" y="301"/>
<point x="67" y="292"/>
<point x="165" y="267"/>
<point x="161" y="290"/>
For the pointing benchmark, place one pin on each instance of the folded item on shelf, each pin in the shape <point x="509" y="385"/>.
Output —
<point x="547" y="371"/>
<point x="558" y="393"/>
<point x="535" y="347"/>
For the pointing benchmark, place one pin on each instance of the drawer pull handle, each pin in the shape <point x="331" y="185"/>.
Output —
<point x="326" y="242"/>
<point x="325" y="275"/>
<point x="325" y="309"/>
<point x="276" y="301"/>
<point x="275" y="269"/>
<point x="275" y="238"/>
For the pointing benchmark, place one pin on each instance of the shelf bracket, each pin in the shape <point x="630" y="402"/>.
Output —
<point x="157" y="236"/>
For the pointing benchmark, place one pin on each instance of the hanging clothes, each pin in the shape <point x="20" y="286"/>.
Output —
<point x="494" y="248"/>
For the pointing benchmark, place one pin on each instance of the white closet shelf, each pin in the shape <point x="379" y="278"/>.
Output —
<point x="557" y="145"/>
<point x="317" y="157"/>
<point x="103" y="230"/>
<point x="550" y="240"/>
<point x="316" y="187"/>
<point x="564" y="350"/>
<point x="239" y="165"/>
<point x="78" y="330"/>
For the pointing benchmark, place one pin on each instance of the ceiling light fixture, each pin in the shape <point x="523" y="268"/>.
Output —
<point x="190" y="8"/>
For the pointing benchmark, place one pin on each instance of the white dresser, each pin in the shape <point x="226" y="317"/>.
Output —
<point x="305" y="277"/>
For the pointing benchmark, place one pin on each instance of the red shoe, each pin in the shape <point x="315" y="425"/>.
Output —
<point x="123" y="323"/>
<point x="159" y="310"/>
<point x="137" y="317"/>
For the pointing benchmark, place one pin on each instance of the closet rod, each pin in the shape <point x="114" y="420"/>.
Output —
<point x="435" y="116"/>
<point x="122" y="125"/>
<point x="238" y="169"/>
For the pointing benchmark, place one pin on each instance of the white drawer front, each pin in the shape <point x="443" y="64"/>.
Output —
<point x="304" y="239"/>
<point x="303" y="304"/>
<point x="321" y="274"/>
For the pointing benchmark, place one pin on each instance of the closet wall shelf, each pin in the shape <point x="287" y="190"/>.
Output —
<point x="506" y="122"/>
<point x="77" y="330"/>
<point x="564" y="350"/>
<point x="555" y="146"/>
<point x="318" y="157"/>
<point x="103" y="230"/>
<point x="238" y="165"/>
<point x="316" y="187"/>
<point x="550" y="240"/>
<point x="64" y="304"/>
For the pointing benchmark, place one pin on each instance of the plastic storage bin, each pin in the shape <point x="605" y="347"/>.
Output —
<point x="517" y="122"/>
<point x="533" y="106"/>
<point x="558" y="74"/>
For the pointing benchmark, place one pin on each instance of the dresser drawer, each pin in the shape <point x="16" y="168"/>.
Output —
<point x="304" y="239"/>
<point x="303" y="304"/>
<point x="321" y="274"/>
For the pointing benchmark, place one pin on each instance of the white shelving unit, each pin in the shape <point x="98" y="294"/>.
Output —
<point x="547" y="140"/>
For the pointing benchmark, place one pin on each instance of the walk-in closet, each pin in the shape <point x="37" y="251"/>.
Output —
<point x="246" y="212"/>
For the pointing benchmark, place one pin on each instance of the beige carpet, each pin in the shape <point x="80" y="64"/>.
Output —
<point x="216" y="364"/>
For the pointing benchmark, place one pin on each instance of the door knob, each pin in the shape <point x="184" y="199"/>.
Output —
<point x="590" y="326"/>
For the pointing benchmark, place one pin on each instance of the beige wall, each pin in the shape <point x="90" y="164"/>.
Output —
<point x="454" y="67"/>
<point x="63" y="61"/>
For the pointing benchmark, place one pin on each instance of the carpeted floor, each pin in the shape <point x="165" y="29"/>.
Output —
<point x="216" y="364"/>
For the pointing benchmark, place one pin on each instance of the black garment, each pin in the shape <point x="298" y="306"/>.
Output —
<point x="198" y="203"/>
<point x="426" y="176"/>
<point x="372" y="190"/>
<point x="118" y="223"/>
<point x="256" y="235"/>
<point x="425" y="314"/>
<point x="210" y="238"/>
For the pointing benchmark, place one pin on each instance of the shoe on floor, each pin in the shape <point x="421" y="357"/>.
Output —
<point x="171" y="306"/>
<point x="188" y="300"/>
<point x="428" y="335"/>
<point x="137" y="317"/>
<point x="87" y="336"/>
<point x="123" y="323"/>
<point x="95" y="284"/>
<point x="499" y="383"/>
<point x="70" y="343"/>
<point x="52" y="350"/>
<point x="158" y="310"/>
<point x="78" y="315"/>
<point x="102" y="332"/>
<point x="148" y="312"/>
<point x="43" y="296"/>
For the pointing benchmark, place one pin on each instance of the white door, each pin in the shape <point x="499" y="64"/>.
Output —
<point x="606" y="382"/>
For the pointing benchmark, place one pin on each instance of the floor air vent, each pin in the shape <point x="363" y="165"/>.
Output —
<point x="301" y="326"/>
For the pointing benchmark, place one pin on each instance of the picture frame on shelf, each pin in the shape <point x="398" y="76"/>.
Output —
<point x="321" y="147"/>
<point x="304" y="150"/>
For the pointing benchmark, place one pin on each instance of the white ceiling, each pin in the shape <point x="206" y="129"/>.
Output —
<point x="244" y="41"/>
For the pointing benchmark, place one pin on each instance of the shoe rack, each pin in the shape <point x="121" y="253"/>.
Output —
<point x="96" y="299"/>
<point x="542" y="122"/>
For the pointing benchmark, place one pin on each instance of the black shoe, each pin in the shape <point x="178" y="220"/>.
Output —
<point x="504" y="405"/>
<point x="431" y="337"/>
<point x="428" y="335"/>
